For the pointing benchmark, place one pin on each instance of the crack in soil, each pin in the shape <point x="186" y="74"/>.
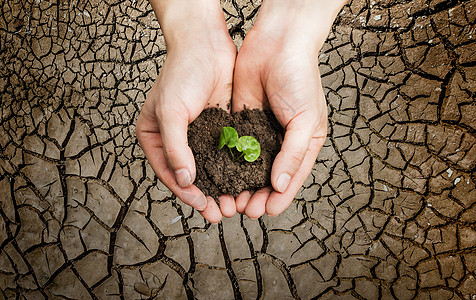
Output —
<point x="388" y="211"/>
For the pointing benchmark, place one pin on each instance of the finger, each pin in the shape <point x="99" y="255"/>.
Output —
<point x="179" y="156"/>
<point x="190" y="195"/>
<point x="278" y="202"/>
<point x="151" y="145"/>
<point x="257" y="205"/>
<point x="242" y="200"/>
<point x="293" y="150"/>
<point x="212" y="212"/>
<point x="247" y="87"/>
<point x="227" y="205"/>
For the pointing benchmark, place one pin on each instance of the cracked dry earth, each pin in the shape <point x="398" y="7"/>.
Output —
<point x="387" y="213"/>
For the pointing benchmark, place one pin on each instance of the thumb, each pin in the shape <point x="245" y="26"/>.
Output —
<point x="179" y="156"/>
<point x="293" y="150"/>
<point x="247" y="88"/>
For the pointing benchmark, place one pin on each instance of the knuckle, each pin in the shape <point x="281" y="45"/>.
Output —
<point x="159" y="112"/>
<point x="170" y="111"/>
<point x="161" y="175"/>
<point x="295" y="157"/>
<point x="139" y="130"/>
<point x="171" y="153"/>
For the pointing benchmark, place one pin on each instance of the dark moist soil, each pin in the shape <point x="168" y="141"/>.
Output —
<point x="217" y="172"/>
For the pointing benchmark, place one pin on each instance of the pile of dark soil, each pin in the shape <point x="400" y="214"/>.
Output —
<point x="217" y="172"/>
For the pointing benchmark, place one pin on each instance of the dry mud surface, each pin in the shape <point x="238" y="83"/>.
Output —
<point x="387" y="213"/>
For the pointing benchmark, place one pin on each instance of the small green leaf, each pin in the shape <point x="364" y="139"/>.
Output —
<point x="228" y="136"/>
<point x="250" y="148"/>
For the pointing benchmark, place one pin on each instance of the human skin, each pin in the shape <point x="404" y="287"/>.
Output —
<point x="278" y="58"/>
<point x="196" y="74"/>
<point x="277" y="66"/>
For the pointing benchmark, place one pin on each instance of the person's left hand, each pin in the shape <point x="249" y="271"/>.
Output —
<point x="277" y="65"/>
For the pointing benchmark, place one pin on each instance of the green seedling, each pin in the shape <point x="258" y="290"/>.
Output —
<point x="248" y="146"/>
<point x="228" y="136"/>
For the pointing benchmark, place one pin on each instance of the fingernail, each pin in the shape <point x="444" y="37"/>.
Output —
<point x="183" y="177"/>
<point x="282" y="182"/>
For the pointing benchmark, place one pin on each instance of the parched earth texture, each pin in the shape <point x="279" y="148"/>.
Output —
<point x="388" y="211"/>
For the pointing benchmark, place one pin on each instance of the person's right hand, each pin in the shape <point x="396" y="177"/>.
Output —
<point x="196" y="74"/>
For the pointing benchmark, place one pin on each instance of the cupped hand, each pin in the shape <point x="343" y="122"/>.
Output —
<point x="278" y="69"/>
<point x="195" y="75"/>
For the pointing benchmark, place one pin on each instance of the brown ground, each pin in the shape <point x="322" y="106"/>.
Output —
<point x="388" y="211"/>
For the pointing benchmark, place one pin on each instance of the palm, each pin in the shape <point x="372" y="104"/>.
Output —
<point x="188" y="83"/>
<point x="290" y="84"/>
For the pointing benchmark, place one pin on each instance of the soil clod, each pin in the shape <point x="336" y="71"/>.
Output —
<point x="217" y="172"/>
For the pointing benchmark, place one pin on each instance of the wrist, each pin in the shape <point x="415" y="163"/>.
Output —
<point x="301" y="23"/>
<point x="186" y="24"/>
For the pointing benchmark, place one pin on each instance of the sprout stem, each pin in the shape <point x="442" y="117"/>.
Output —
<point x="243" y="153"/>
